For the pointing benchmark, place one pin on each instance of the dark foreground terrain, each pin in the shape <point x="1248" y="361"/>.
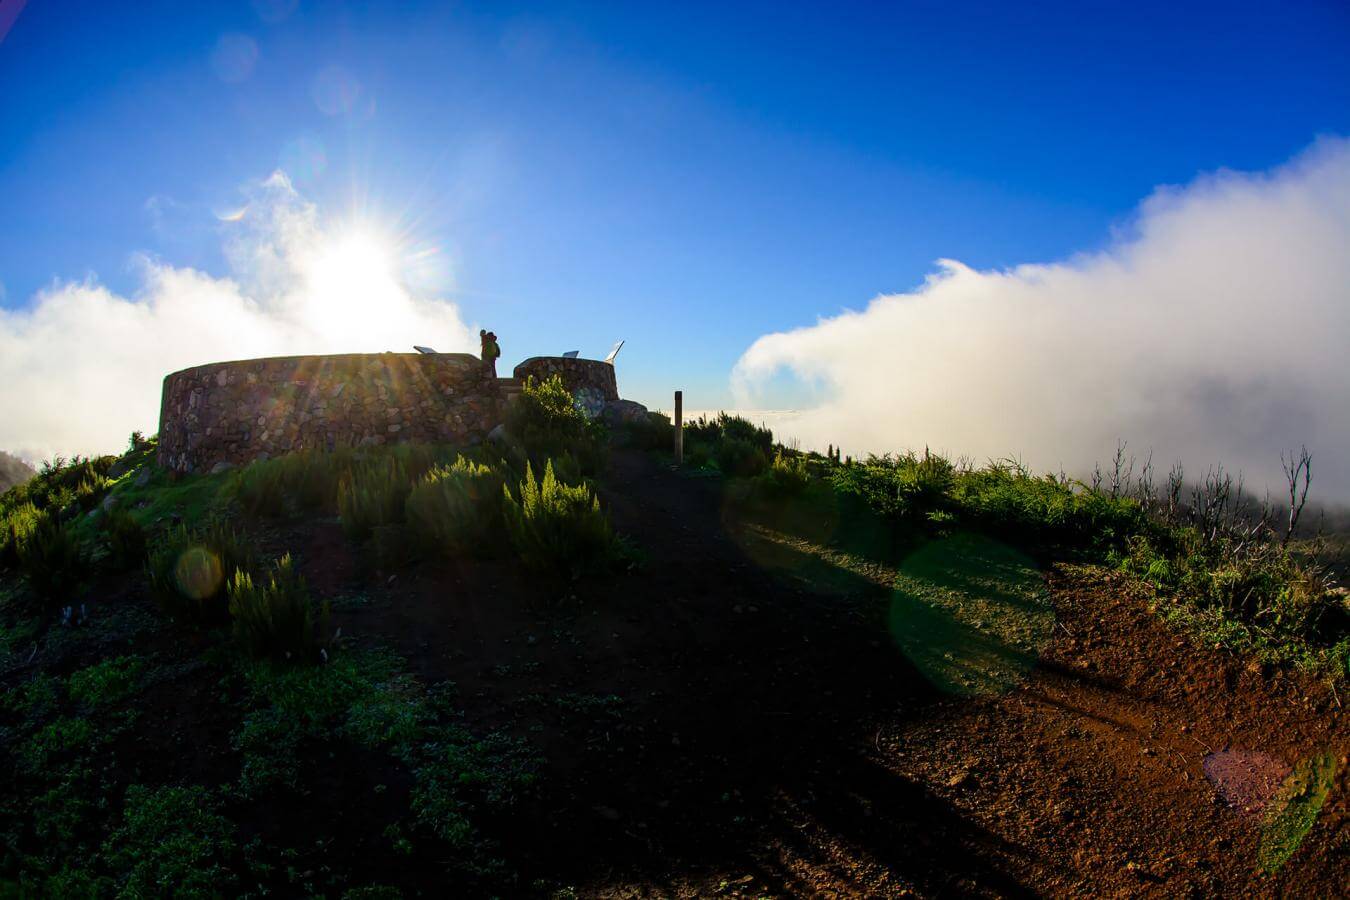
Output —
<point x="743" y="714"/>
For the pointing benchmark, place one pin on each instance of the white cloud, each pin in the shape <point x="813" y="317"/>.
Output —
<point x="1217" y="329"/>
<point x="82" y="366"/>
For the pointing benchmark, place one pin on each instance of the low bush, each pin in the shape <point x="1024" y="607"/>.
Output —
<point x="373" y="494"/>
<point x="899" y="488"/>
<point x="54" y="561"/>
<point x="740" y="457"/>
<point x="276" y="620"/>
<point x="1007" y="499"/>
<point x="737" y="428"/>
<point x="311" y="480"/>
<point x="654" y="432"/>
<point x="303" y="481"/>
<point x="698" y="455"/>
<point x="1268" y="588"/>
<point x="547" y="423"/>
<point x="189" y="572"/>
<point x="786" y="476"/>
<point x="127" y="540"/>
<point x="60" y="482"/>
<point x="457" y="509"/>
<point x="556" y="528"/>
<point x="15" y="526"/>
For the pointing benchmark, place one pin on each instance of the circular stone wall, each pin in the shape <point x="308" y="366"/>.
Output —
<point x="582" y="376"/>
<point x="235" y="412"/>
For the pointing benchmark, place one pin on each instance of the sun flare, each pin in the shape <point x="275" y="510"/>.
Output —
<point x="350" y="279"/>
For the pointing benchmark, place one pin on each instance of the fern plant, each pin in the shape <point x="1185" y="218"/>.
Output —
<point x="556" y="528"/>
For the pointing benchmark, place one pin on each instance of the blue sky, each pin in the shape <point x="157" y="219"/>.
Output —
<point x="686" y="176"/>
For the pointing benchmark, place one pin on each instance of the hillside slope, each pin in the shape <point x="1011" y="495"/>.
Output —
<point x="745" y="712"/>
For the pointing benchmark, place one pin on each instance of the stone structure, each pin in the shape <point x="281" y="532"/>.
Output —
<point x="233" y="412"/>
<point x="230" y="413"/>
<point x="582" y="376"/>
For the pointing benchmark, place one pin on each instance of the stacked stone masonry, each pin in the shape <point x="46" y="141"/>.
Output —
<point x="235" y="412"/>
<point x="582" y="376"/>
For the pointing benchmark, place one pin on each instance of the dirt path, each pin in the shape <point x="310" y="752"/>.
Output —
<point x="1088" y="778"/>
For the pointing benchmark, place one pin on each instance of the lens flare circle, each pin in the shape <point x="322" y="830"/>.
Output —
<point x="972" y="614"/>
<point x="198" y="573"/>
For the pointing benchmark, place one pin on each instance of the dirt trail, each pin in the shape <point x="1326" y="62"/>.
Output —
<point x="1088" y="778"/>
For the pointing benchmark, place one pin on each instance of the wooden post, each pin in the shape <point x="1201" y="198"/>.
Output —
<point x="679" y="428"/>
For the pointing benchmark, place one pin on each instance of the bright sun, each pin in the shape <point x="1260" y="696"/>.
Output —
<point x="351" y="278"/>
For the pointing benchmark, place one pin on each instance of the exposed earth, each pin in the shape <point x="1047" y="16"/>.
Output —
<point x="757" y="711"/>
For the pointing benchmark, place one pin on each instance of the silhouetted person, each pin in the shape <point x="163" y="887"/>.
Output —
<point x="491" y="351"/>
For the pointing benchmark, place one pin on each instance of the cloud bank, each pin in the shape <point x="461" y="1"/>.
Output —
<point x="81" y="367"/>
<point x="1216" y="328"/>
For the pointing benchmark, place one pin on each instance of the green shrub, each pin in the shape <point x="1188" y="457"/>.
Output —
<point x="15" y="527"/>
<point x="654" y="432"/>
<point x="1265" y="586"/>
<point x="189" y="572"/>
<point x="556" y="528"/>
<point x="127" y="541"/>
<point x="54" y="561"/>
<point x="739" y="457"/>
<point x="89" y="493"/>
<point x="736" y="428"/>
<point x="899" y="488"/>
<point x="303" y="481"/>
<point x="60" y="483"/>
<point x="698" y="455"/>
<point x="276" y="621"/>
<point x="547" y="423"/>
<point x="173" y="842"/>
<point x="457" y="509"/>
<point x="373" y="494"/>
<point x="1006" y="499"/>
<point x="786" y="476"/>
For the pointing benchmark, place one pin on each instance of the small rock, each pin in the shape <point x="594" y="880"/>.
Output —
<point x="960" y="779"/>
<point x="222" y="466"/>
<point x="142" y="478"/>
<point x="607" y="812"/>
